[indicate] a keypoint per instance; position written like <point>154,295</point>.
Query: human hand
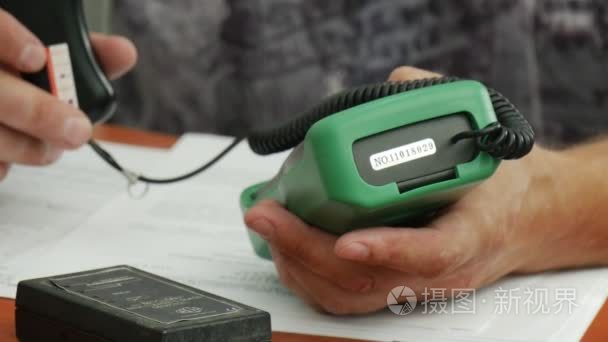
<point>35,127</point>
<point>496,229</point>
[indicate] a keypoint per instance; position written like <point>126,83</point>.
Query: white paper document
<point>39,206</point>
<point>193,233</point>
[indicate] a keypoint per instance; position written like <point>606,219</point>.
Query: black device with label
<point>62,27</point>
<point>124,304</point>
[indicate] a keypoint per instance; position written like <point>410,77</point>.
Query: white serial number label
<point>403,154</point>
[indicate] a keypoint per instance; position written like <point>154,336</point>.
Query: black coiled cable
<point>511,137</point>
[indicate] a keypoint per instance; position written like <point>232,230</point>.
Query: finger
<point>18,148</point>
<point>331,298</point>
<point>25,108</point>
<point>20,48</point>
<point>318,292</point>
<point>407,73</point>
<point>287,280</point>
<point>10,71</point>
<point>4,168</point>
<point>116,54</point>
<point>428,252</point>
<point>309,245</point>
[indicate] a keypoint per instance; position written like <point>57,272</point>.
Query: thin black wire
<point>490,129</point>
<point>105,155</point>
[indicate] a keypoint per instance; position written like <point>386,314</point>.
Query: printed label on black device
<point>143,295</point>
<point>403,154</point>
<point>61,74</point>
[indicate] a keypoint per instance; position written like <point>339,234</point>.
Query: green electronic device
<point>382,154</point>
<point>388,154</point>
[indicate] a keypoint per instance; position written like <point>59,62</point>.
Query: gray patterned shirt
<point>225,66</point>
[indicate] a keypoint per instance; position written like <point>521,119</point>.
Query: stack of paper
<point>39,206</point>
<point>193,233</point>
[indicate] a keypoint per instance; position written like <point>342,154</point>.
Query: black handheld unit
<point>122,303</point>
<point>72,72</point>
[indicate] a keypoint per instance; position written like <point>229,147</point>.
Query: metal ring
<point>138,195</point>
<point>132,181</point>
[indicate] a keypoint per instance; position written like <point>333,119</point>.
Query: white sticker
<point>61,74</point>
<point>403,154</point>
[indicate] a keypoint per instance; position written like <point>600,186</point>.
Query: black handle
<point>63,21</point>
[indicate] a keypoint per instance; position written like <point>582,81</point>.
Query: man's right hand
<point>35,127</point>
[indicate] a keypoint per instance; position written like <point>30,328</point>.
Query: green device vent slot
<point>411,184</point>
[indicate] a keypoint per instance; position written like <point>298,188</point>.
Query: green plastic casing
<point>322,186</point>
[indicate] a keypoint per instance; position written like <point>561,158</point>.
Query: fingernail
<point>32,57</point>
<point>52,154</point>
<point>263,227</point>
<point>77,131</point>
<point>355,251</point>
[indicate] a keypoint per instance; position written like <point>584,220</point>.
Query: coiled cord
<point>511,137</point>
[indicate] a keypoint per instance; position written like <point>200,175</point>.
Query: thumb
<point>117,55</point>
<point>407,73</point>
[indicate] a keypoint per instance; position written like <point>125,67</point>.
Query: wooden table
<point>598,331</point>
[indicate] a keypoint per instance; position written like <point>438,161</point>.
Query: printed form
<point>39,206</point>
<point>193,233</point>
